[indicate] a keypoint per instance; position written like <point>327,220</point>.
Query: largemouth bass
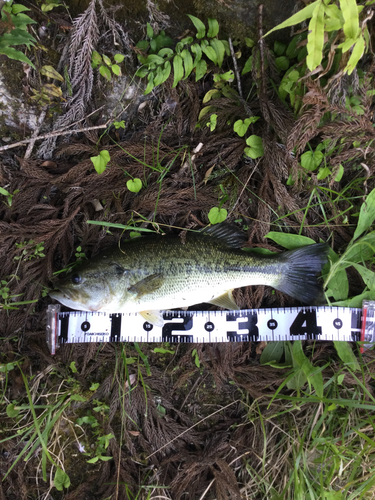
<point>155,273</point>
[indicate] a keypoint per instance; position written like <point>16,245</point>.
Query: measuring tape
<point>276,324</point>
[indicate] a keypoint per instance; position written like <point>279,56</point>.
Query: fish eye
<point>76,279</point>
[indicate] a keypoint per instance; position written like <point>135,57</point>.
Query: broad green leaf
<point>323,173</point>
<point>219,48</point>
<point>289,241</point>
<point>162,74</point>
<point>21,20</point>
<point>366,215</point>
<point>134,185</point>
<point>279,48</point>
<point>311,160</point>
<point>248,66</point>
<point>200,27</point>
<point>107,60</point>
<point>282,63</point>
<point>178,70</point>
<point>297,18</point>
<point>142,72</point>
<point>339,174</point>
<point>255,149</point>
<point>100,162</point>
<point>154,58</point>
<point>11,410</point>
<point>96,59</point>
<point>315,38</point>
<point>106,72</point>
<point>116,69</point>
<point>273,351</point>
<point>334,20</point>
<point>210,53</point>
<point>150,31</point>
<point>119,58</point>
<point>17,8</point>
<point>361,250</point>
<point>188,62</point>
<point>211,94</point>
<point>50,72</point>
<point>356,301</point>
<point>217,215</point>
<point>4,192</point>
<point>347,44</point>
<point>213,28</point>
<point>73,367</point>
<point>349,11</point>
<point>368,276</point>
<point>166,51</point>
<point>312,374</point>
<point>240,127</point>
<point>212,123</point>
<point>346,355</point>
<point>196,49</point>
<point>338,285</point>
<point>150,84</point>
<point>355,56</point>
<point>16,54</point>
<point>205,110</point>
<point>200,70</point>
<point>161,350</point>
<point>61,479</point>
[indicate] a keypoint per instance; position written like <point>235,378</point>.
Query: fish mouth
<point>59,294</point>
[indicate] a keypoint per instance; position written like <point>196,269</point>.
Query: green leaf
<point>107,60</point>
<point>200,69</point>
<point>339,174</point>
<point>355,56</point>
<point>119,58</point>
<point>210,53</point>
<point>150,31</point>
<point>78,397</point>
<point>93,460</point>
<point>200,27</point>
<point>219,48</point>
<point>213,28</point>
<point>346,355</point>
<point>116,69</point>
<point>279,48</point>
<point>106,72</point>
<point>134,185</point>
<point>217,215</point>
<point>315,38</point>
<point>196,49</point>
<point>11,410</point>
<point>154,59</point>
<point>16,55</point>
<point>289,241</point>
<point>188,62</point>
<point>349,11</point>
<point>248,66</point>
<point>334,20</point>
<point>368,276</point>
<point>241,126</point>
<point>255,149</point>
<point>73,367</point>
<point>50,72</point>
<point>161,350</point>
<point>4,192</point>
<point>96,59</point>
<point>366,215</point>
<point>297,18</point>
<point>338,285</point>
<point>273,351</point>
<point>212,123</point>
<point>17,8</point>
<point>323,173</point>
<point>178,70</point>
<point>150,84</point>
<point>311,160</point>
<point>211,94</point>
<point>100,162</point>
<point>282,63</point>
<point>61,479</point>
<point>162,74</point>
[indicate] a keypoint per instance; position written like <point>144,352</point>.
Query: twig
<point>53,134</point>
<point>56,133</point>
<point>237,73</point>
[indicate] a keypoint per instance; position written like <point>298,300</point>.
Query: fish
<point>153,273</point>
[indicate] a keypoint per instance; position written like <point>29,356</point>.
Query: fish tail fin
<point>300,280</point>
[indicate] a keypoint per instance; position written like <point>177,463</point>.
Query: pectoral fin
<point>153,317</point>
<point>147,285</point>
<point>226,300</point>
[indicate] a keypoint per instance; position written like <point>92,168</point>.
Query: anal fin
<point>225,300</point>
<point>153,317</point>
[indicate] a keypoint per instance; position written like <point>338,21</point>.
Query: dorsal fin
<point>228,234</point>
